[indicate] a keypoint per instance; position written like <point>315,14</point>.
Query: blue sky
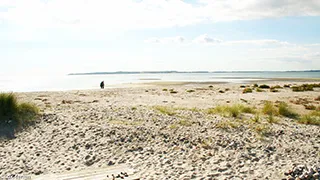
<point>63,36</point>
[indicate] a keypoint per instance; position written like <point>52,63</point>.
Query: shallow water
<point>78,82</point>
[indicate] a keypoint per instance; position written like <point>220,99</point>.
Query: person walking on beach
<point>102,85</point>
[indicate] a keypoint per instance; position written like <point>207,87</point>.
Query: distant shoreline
<point>182,72</point>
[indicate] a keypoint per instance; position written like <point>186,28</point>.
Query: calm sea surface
<point>77,82</point>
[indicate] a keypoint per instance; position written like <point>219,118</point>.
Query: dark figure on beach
<point>102,85</point>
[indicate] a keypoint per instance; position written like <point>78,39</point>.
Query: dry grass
<point>165,110</point>
<point>269,109</point>
<point>312,118</point>
<point>286,111</point>
<point>231,111</point>
<point>227,124</point>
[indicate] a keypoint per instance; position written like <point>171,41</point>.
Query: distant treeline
<point>167,72</point>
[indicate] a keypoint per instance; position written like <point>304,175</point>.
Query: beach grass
<point>312,118</point>
<point>14,114</point>
<point>286,111</point>
<point>165,110</point>
<point>231,111</point>
<point>269,109</point>
<point>247,90</point>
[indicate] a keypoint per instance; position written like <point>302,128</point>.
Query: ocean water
<point>80,82</point>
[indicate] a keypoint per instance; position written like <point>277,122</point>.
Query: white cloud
<point>205,39</point>
<point>177,39</point>
<point>260,42</point>
<point>129,14</point>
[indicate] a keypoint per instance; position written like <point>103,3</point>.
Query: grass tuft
<point>269,109</point>
<point>247,90</point>
<point>286,111</point>
<point>231,111</point>
<point>259,90</point>
<point>14,115</point>
<point>165,110</point>
<point>190,90</point>
<point>312,118</point>
<point>184,122</point>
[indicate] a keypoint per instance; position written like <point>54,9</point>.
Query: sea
<point>92,81</point>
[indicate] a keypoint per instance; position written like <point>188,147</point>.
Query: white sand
<point>99,128</point>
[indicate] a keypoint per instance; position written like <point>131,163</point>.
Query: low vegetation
<point>259,90</point>
<point>16,115</point>
<point>227,124</point>
<point>247,90</point>
<point>172,91</point>
<point>286,111</point>
<point>274,90</point>
<point>312,118</point>
<point>276,87</point>
<point>165,110</point>
<point>264,86</point>
<point>310,106</point>
<point>305,87</point>
<point>231,111</point>
<point>190,90</point>
<point>269,109</point>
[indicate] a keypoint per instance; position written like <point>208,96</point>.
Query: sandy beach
<point>165,131</point>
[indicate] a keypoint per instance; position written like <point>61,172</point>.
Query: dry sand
<point>100,128</point>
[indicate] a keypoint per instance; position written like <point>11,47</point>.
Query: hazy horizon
<point>60,37</point>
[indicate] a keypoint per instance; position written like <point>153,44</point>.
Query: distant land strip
<point>167,72</point>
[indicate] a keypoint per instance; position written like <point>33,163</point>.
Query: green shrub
<point>284,110</point>
<point>221,91</point>
<point>287,86</point>
<point>264,86</point>
<point>164,89</point>
<point>15,115</point>
<point>210,86</point>
<point>255,85</point>
<point>247,90</point>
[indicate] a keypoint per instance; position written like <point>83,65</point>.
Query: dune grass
<point>231,111</point>
<point>14,114</point>
<point>165,110</point>
<point>269,109</point>
<point>312,118</point>
<point>190,90</point>
<point>286,111</point>
<point>247,90</point>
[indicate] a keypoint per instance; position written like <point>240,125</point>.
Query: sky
<point>69,36</point>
